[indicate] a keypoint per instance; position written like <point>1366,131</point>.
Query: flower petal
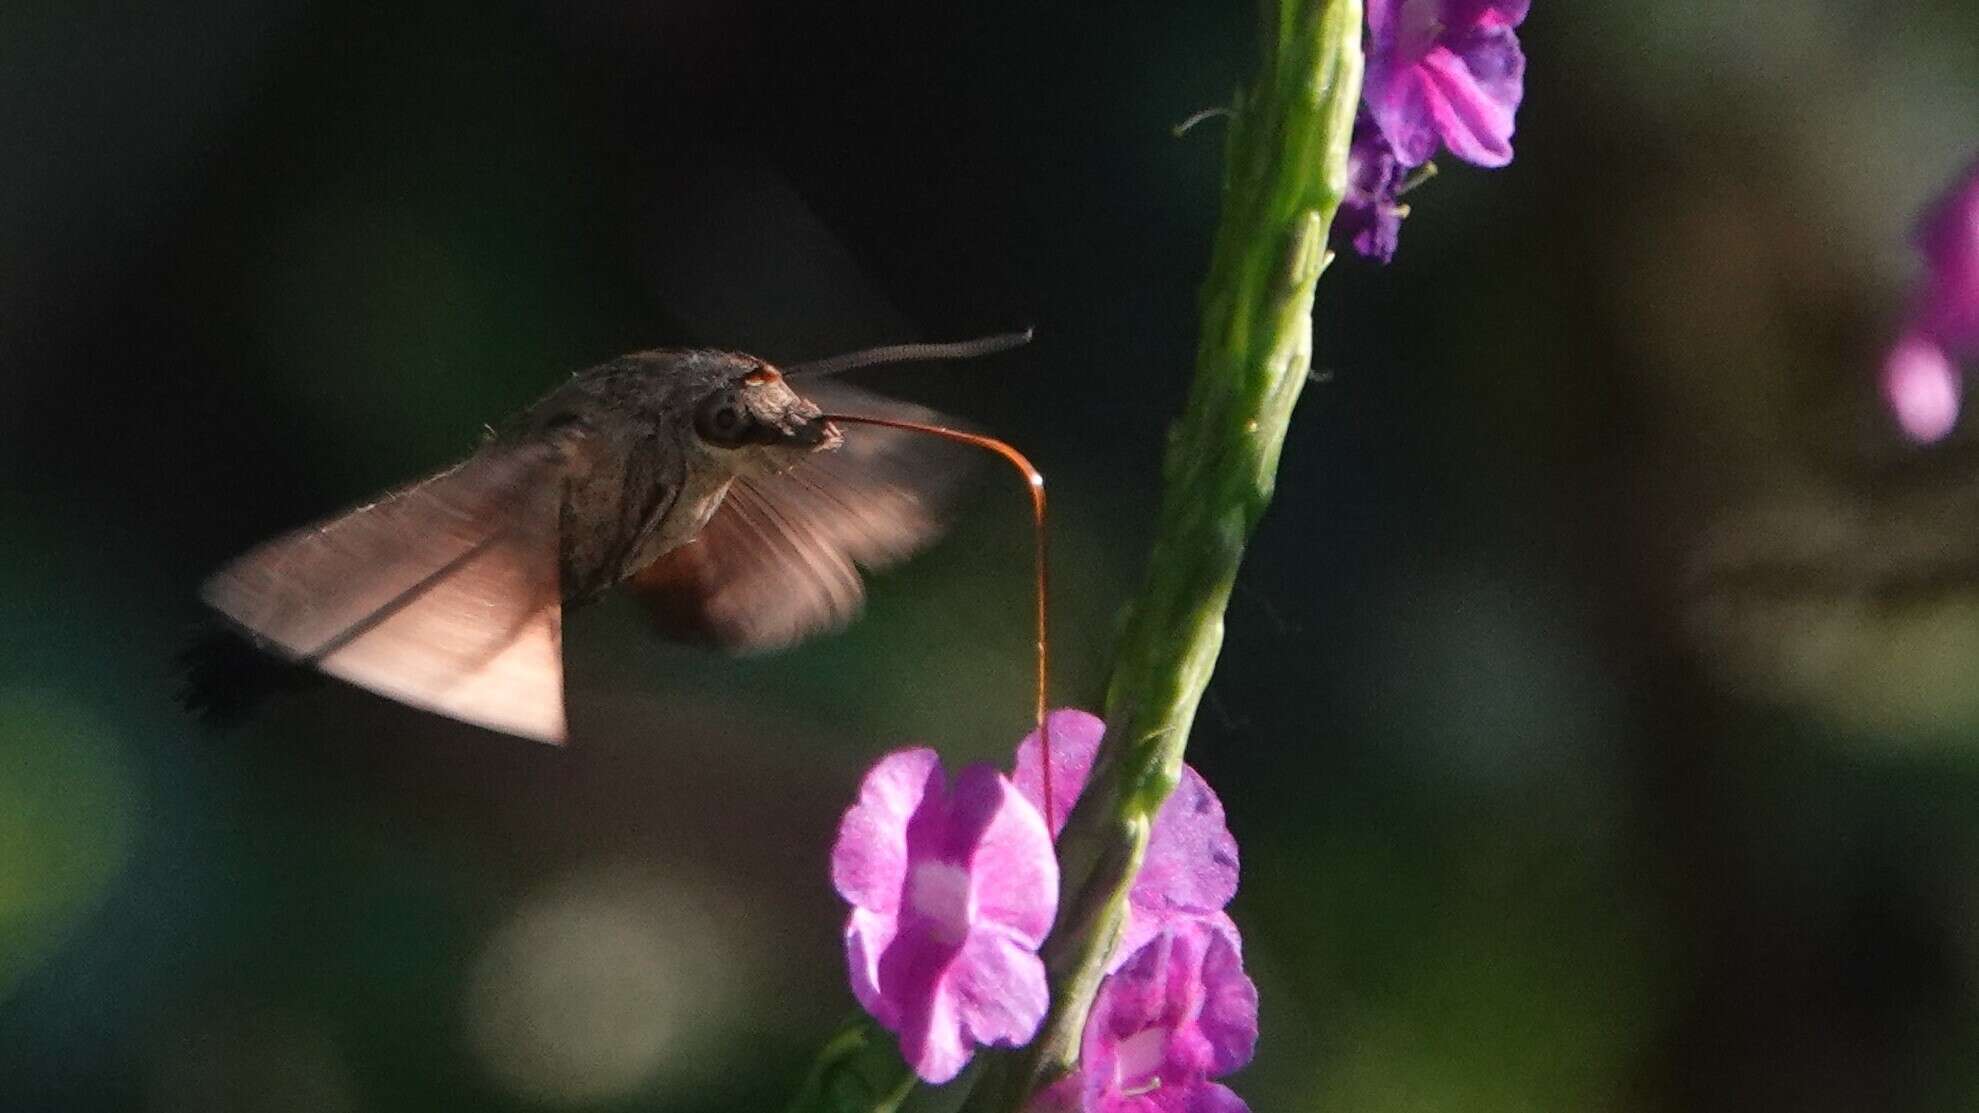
<point>1949,237</point>
<point>1191,863</point>
<point>1194,1095</point>
<point>1465,14</point>
<point>1228,1020</point>
<point>1075,736</point>
<point>999,989</point>
<point>1395,98</point>
<point>1187,988</point>
<point>867,936</point>
<point>1381,19</point>
<point>932,1042</point>
<point>916,1002</point>
<point>1135,996</point>
<point>1452,77</point>
<point>1212,1097</point>
<point>1472,85</point>
<point>1013,871</point>
<point>1370,217</point>
<point>869,859</point>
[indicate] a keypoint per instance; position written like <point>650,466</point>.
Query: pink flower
<point>1191,865</point>
<point>1949,238</point>
<point>1445,73</point>
<point>952,891</point>
<point>1176,1009</point>
<point>1921,379</point>
<point>1370,215</point>
<point>1177,1013</point>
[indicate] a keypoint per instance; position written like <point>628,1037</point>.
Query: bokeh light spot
<point>601,984</point>
<point>67,798</point>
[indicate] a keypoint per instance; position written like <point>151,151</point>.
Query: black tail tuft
<point>226,678</point>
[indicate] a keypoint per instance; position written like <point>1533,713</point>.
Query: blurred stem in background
<point>1284,176</point>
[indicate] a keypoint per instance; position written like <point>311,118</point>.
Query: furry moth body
<point>701,480</point>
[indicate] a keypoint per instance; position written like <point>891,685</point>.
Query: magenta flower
<point>1370,216</point>
<point>1921,379</point>
<point>1445,73</point>
<point>952,891</point>
<point>1177,1013</point>
<point>1190,870</point>
<point>1949,239</point>
<point>1440,73</point>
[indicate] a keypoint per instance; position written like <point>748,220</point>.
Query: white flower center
<point>939,893</point>
<point>1138,1058</point>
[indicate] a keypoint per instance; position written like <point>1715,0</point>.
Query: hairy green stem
<point>1285,173</point>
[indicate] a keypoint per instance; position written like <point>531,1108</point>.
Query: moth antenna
<point>907,353</point>
<point>1034,479</point>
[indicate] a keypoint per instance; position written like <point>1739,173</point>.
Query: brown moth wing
<point>779,561</point>
<point>444,594</point>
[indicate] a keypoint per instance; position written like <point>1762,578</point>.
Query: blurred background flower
<point>1599,708</point>
<point>1921,376</point>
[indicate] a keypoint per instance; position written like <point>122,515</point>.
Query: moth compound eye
<point>722,421</point>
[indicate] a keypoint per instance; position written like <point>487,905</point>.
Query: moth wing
<point>780,559</point>
<point>444,595</point>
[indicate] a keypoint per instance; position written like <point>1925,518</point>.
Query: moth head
<point>765,425</point>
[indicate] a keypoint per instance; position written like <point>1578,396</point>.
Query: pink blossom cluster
<point>953,888</point>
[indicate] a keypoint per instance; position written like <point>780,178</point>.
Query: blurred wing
<point>780,559</point>
<point>443,595</point>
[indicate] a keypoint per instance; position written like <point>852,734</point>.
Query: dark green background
<point>1597,717</point>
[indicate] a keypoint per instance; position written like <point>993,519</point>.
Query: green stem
<point>1285,173</point>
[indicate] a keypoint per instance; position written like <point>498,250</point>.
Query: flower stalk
<point>1285,174</point>
<point>1286,171</point>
